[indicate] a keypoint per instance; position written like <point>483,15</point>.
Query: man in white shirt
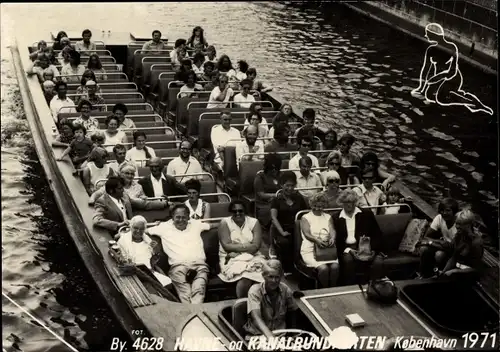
<point>182,243</point>
<point>220,135</point>
<point>185,163</point>
<point>85,46</point>
<point>61,100</point>
<point>369,195</point>
<point>244,99</point>
<point>219,97</point>
<point>180,44</point>
<point>249,145</point>
<point>308,179</point>
<point>305,145</point>
<point>120,153</point>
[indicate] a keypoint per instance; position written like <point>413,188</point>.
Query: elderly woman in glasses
<point>351,225</point>
<point>318,233</point>
<point>240,239</point>
<point>331,179</point>
<point>334,163</point>
<point>138,249</point>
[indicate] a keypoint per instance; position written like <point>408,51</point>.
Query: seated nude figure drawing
<point>441,81</point>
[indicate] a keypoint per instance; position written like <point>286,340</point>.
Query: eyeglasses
<point>238,211</point>
<point>333,180</point>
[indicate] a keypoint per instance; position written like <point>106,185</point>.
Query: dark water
<point>313,57</point>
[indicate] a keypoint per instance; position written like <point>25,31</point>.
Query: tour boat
<point>432,310</point>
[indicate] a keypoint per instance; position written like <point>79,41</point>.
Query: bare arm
<point>89,187</point>
<point>275,222</point>
<point>306,231</point>
<point>260,324</point>
<point>423,72</point>
<point>207,211</point>
<point>63,155</point>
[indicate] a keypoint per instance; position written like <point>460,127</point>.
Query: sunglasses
<point>333,180</point>
<point>238,211</point>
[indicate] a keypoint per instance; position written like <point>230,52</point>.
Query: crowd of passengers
<point>255,252</point>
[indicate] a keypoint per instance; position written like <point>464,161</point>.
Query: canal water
<point>313,57</point>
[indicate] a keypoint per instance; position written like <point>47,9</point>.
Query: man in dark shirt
<point>283,210</point>
<point>280,142</point>
<point>309,116</point>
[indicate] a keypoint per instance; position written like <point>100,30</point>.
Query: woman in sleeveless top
<point>112,134</point>
<point>240,241</point>
<point>317,230</point>
<point>96,169</point>
<point>198,208</point>
<point>139,151</point>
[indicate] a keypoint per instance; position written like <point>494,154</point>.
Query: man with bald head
<point>249,145</point>
<point>185,163</point>
<point>269,302</point>
<point>158,184</point>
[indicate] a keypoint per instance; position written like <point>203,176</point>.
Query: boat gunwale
<point>54,170</point>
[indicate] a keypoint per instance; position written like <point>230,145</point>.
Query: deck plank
<point>389,321</point>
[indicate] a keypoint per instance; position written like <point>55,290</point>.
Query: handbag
<point>322,254</point>
<point>382,291</point>
<point>364,252</point>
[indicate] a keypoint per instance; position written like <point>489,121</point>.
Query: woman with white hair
<point>466,250</point>
<point>331,179</point>
<point>318,241</point>
<point>351,225</point>
<point>138,249</point>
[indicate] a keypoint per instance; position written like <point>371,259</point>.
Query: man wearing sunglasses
<point>244,99</point>
<point>305,146</point>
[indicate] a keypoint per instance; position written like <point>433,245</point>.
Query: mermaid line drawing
<point>441,81</point>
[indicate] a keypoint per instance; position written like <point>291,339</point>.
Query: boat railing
<point>166,74</point>
<point>69,107</point>
<point>113,74</point>
<point>159,59</point>
<point>170,158</point>
<point>100,52</point>
<point>140,51</point>
<point>86,58</point>
<point>231,103</point>
<point>104,65</point>
<point>127,227</point>
<point>319,188</point>
<point>151,143</point>
<point>166,128</point>
<point>134,95</point>
<point>104,84</point>
<point>215,115</point>
<point>208,92</point>
<point>219,194</point>
<point>171,84</point>
<point>302,212</point>
<point>73,42</point>
<point>101,117</point>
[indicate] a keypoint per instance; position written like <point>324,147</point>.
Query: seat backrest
<point>131,101</point>
<point>208,187</point>
<point>211,246</point>
<point>219,210</point>
<point>248,171</point>
<point>166,153</point>
<point>182,112</point>
<point>297,241</point>
<point>154,215</point>
<point>146,67</point>
<point>393,228</point>
<point>163,82</point>
<point>239,314</point>
<point>138,61</point>
<point>230,168</point>
<point>172,97</point>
